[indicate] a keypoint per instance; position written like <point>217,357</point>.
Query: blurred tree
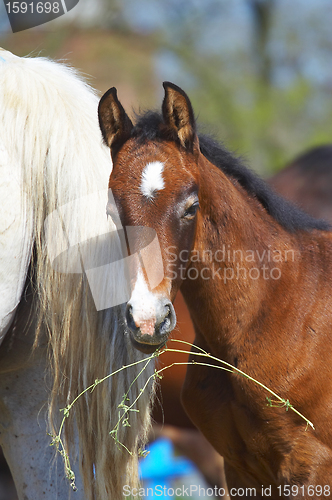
<point>263,13</point>
<point>256,70</point>
<point>112,15</point>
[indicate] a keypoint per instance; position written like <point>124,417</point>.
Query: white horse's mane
<point>55,112</point>
<point>49,127</point>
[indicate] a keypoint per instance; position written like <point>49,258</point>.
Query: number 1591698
<point>32,8</point>
<point>305,491</point>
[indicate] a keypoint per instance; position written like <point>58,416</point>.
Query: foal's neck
<point>239,261</point>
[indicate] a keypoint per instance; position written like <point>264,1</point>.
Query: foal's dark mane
<point>150,127</point>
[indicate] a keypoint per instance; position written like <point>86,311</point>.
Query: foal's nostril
<point>130,319</point>
<point>166,323</point>
<point>169,321</point>
<point>157,328</point>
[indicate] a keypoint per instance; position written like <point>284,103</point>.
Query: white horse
<point>54,342</point>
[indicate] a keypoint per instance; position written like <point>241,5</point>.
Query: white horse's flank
<point>50,154</point>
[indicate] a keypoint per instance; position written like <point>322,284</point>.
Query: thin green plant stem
<point>233,369</point>
<point>230,368</point>
<point>57,441</point>
<point>126,408</point>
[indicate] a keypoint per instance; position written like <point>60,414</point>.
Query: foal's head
<point>155,183</point>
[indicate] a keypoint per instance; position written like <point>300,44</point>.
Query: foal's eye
<point>191,211</point>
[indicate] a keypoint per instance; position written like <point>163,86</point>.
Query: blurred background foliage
<point>258,72</point>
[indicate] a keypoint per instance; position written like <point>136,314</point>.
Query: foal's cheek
<point>178,256</point>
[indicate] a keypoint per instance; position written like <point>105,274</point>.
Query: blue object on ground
<point>162,464</point>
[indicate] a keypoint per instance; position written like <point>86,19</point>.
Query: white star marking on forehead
<point>152,179</point>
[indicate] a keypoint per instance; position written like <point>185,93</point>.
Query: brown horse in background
<point>307,181</point>
<point>266,309</point>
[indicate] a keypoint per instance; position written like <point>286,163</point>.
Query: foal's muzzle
<point>149,335</point>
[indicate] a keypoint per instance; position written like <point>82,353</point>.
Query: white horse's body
<point>15,240</point>
<point>51,153</point>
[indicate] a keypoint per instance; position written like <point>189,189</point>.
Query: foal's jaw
<point>150,317</point>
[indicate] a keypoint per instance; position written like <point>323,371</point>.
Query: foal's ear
<point>179,116</point>
<point>115,124</point>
